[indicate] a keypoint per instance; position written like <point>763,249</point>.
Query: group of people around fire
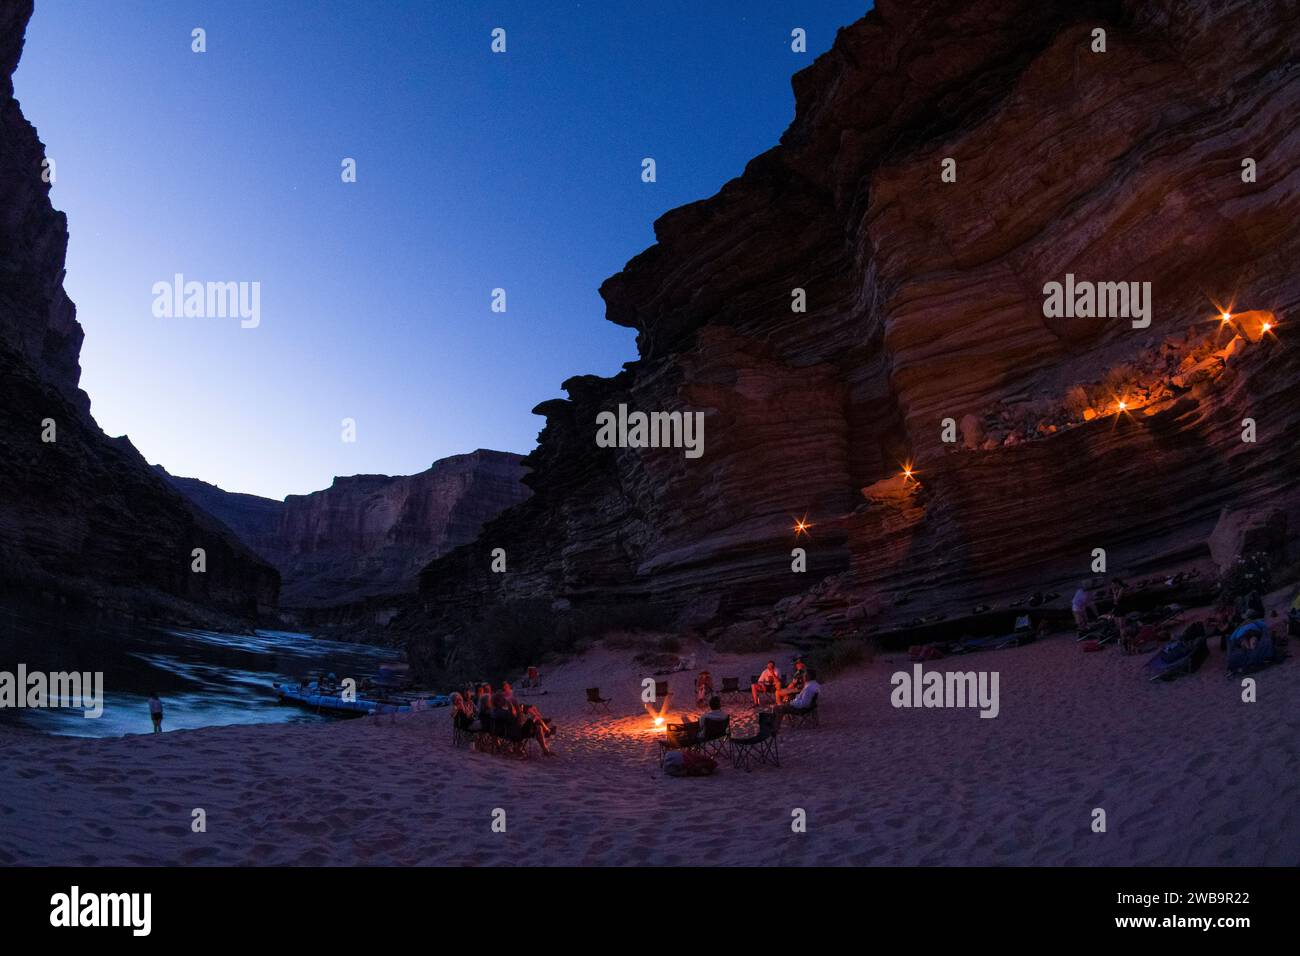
<point>501,708</point>
<point>796,694</point>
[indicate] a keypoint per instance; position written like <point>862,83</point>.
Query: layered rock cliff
<point>83,518</point>
<point>925,310</point>
<point>367,534</point>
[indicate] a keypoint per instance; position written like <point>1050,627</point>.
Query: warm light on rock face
<point>1255,324</point>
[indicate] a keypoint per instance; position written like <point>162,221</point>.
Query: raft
<point>311,699</point>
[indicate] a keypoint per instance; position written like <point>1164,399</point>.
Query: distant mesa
<point>366,535</point>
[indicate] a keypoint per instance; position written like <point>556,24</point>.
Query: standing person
<point>1082,607</point>
<point>155,712</point>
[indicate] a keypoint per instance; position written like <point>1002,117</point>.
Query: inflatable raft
<point>311,698</point>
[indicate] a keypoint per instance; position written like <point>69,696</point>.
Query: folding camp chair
<point>661,689</point>
<point>510,737</point>
<point>730,685</point>
<point>767,687</point>
<point>462,733</point>
<point>760,749</point>
<point>801,717</point>
<point>595,701</point>
<point>684,736</point>
<point>715,736</point>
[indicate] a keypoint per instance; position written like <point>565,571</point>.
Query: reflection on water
<point>204,679</point>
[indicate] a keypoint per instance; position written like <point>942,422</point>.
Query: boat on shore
<point>330,700</point>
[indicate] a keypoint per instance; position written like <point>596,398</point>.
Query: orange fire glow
<point>801,525</point>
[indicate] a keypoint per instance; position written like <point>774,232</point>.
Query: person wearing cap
<point>797,681</point>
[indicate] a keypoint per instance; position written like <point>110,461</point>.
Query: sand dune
<point>1187,774</point>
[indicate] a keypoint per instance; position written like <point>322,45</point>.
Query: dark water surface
<point>204,678</point>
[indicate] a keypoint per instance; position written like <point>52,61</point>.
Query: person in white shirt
<point>769,681</point>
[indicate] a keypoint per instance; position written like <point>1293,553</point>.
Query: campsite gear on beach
<point>759,749</point>
<point>1179,657</point>
<point>661,689</point>
<point>1251,647</point>
<point>1100,632</point>
<point>595,701</point>
<point>688,763</point>
<point>1136,642</point>
<point>730,685</point>
<point>683,736</point>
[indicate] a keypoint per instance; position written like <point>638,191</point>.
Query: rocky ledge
<point>925,308</point>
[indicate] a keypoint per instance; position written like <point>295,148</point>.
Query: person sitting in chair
<point>806,697</point>
<point>797,682</point>
<point>703,688</point>
<point>715,711</point>
<point>768,682</point>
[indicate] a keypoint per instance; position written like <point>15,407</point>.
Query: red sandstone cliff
<point>367,535</point>
<point>83,519</point>
<point>925,302</point>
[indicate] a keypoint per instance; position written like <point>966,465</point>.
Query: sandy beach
<point>1187,773</point>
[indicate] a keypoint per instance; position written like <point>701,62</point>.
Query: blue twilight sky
<point>475,171</point>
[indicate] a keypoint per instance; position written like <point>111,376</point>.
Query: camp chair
<point>761,748</point>
<point>485,741</point>
<point>462,733</point>
<point>730,685</point>
<point>510,737</point>
<point>595,701</point>
<point>661,689</point>
<point>683,736</point>
<point>715,737</point>
<point>806,716</point>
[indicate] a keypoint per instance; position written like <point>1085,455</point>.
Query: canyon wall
<point>367,535</point>
<point>83,518</point>
<point>925,310</point>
